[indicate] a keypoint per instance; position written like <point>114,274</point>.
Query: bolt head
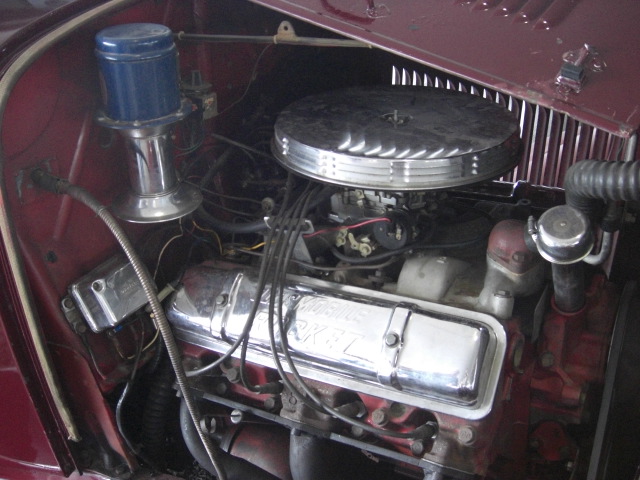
<point>380,417</point>
<point>392,339</point>
<point>233,375</point>
<point>467,435</point>
<point>272,403</point>
<point>222,299</point>
<point>236,417</point>
<point>417,448</point>
<point>547,360</point>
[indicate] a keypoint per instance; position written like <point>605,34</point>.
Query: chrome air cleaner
<point>397,138</point>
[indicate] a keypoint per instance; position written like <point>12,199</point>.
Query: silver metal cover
<point>108,294</point>
<point>445,359</point>
<point>397,138</point>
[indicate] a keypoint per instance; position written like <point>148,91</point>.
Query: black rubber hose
<point>221,226</point>
<point>568,286</point>
<point>156,411</point>
<point>309,458</point>
<point>235,468</point>
<point>590,181</point>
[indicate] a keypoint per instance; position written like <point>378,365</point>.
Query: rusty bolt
<point>379,417</point>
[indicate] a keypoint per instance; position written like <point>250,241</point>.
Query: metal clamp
<point>391,345</point>
<point>572,72</point>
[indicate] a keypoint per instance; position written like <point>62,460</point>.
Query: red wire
<point>348,227</point>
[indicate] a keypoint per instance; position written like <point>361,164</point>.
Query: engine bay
<point>355,282</point>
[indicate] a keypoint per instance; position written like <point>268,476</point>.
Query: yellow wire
<point>214,233</point>
<point>255,247</point>
<point>152,341</point>
<point>148,345</point>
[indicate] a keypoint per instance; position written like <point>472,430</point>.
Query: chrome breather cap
<point>397,138</point>
<point>563,235</point>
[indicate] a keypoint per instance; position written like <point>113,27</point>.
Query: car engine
<point>357,280</point>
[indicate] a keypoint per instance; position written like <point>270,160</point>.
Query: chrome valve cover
<point>424,354</point>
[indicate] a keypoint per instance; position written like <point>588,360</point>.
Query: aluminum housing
<point>397,138</point>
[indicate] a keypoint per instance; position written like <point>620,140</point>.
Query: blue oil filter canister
<point>139,73</point>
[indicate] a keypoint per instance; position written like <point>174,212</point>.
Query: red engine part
<point>572,353</point>
<point>537,399</point>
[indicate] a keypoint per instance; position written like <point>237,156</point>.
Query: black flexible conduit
<point>53,184</point>
<point>588,181</point>
<point>156,411</point>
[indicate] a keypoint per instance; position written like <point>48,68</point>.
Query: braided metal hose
<point>56,185</point>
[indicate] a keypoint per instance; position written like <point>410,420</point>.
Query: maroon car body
<point>59,386</point>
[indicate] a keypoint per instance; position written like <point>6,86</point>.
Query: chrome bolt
<point>222,299</point>
<point>391,340</point>
<point>236,417</point>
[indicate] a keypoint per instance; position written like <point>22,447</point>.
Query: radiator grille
<point>552,141</point>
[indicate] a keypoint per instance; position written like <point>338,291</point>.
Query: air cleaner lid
<point>397,138</point>
<point>136,40</point>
